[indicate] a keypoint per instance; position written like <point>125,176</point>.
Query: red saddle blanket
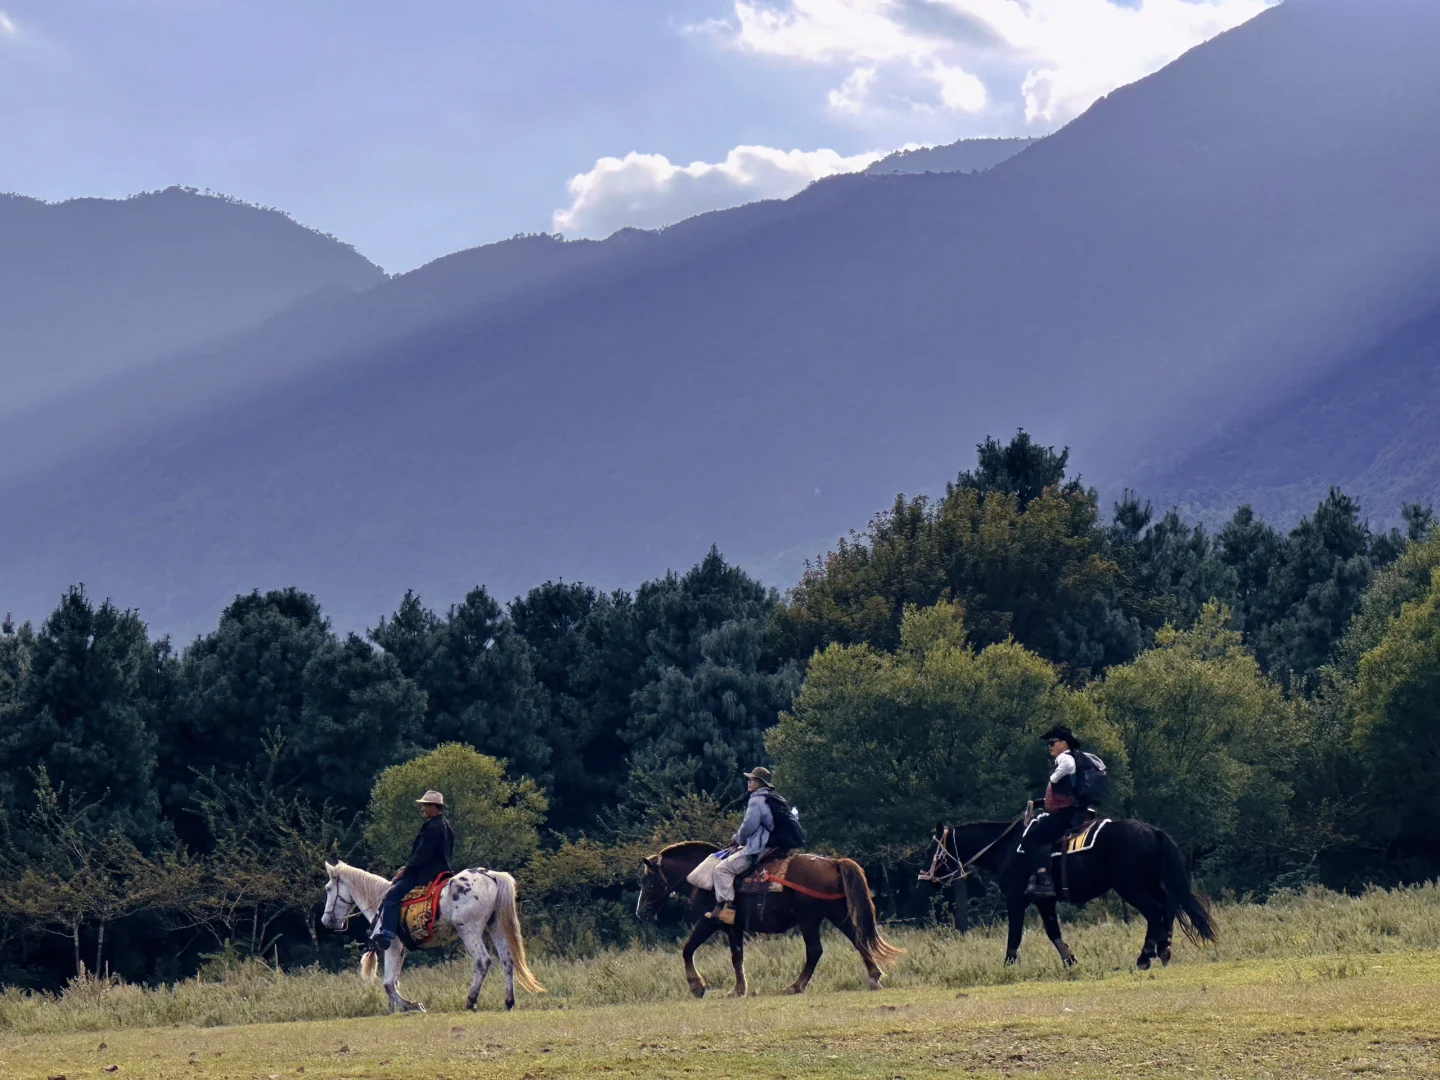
<point>769,876</point>
<point>420,910</point>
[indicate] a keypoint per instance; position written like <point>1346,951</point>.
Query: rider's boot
<point>1041,887</point>
<point>725,913</point>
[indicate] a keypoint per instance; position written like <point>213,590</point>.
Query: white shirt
<point>1064,766</point>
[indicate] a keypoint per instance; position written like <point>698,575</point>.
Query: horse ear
<point>330,868</point>
<point>651,861</point>
<point>939,830</point>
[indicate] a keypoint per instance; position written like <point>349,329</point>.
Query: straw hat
<point>432,797</point>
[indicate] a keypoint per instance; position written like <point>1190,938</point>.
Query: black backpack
<point>787,832</point>
<point>1091,780</point>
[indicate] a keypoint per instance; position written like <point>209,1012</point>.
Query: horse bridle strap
<point>964,870</point>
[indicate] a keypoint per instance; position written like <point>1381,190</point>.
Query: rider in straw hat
<point>747,843</point>
<point>429,858</point>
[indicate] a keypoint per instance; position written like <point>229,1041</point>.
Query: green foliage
<point>880,746</point>
<point>238,685</point>
<point>475,672</point>
<point>85,694</point>
<point>1397,715</point>
<point>1209,739</point>
<point>1026,562</point>
<point>496,820</point>
<point>1296,594</point>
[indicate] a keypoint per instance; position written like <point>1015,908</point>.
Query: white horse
<point>472,903</point>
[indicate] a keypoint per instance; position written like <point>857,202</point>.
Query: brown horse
<point>815,888</point>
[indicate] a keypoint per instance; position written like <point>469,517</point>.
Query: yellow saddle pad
<point>1084,840</point>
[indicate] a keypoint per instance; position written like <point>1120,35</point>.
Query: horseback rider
<point>1066,804</point>
<point>747,844</point>
<point>429,858</point>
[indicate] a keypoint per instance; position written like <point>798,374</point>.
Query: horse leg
<point>474,942</point>
<point>1153,908</point>
<point>507,962</point>
<point>846,927</point>
<point>810,931</point>
<point>737,959</point>
<point>698,936</point>
<point>394,961</point>
<point>1016,909</point>
<point>1052,931</point>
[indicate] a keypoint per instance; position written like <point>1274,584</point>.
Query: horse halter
<point>328,918</point>
<point>942,859</point>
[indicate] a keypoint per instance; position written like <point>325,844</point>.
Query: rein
<point>962,869</point>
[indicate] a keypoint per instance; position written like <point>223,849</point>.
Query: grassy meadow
<point>1317,985</point>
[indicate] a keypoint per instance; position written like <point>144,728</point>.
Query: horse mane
<point>364,885</point>
<point>690,847</point>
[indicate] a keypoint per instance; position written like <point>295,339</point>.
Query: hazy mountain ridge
<point>762,376</point>
<point>966,156</point>
<point>147,276</point>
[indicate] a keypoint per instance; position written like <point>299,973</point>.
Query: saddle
<point>419,912</point>
<point>768,873</point>
<point>1082,839</point>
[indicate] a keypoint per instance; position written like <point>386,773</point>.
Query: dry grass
<point>1314,986</point>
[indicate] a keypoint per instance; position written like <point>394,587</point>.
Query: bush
<point>496,820</point>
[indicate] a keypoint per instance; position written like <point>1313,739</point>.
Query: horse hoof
<point>509,1004</point>
<point>1069,961</point>
<point>735,994</point>
<point>874,984</point>
<point>1164,957</point>
<point>698,990</point>
<point>794,990</point>
<point>470,1004</point>
<point>1143,963</point>
<point>1011,959</point>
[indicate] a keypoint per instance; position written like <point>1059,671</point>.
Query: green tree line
<point>1267,696</point>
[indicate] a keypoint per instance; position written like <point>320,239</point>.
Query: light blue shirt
<point>759,823</point>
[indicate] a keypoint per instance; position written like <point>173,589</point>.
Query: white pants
<point>726,873</point>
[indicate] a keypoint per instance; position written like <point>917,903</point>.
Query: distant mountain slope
<point>1198,245</point>
<point>91,287</point>
<point>1372,427</point>
<point>967,155</point>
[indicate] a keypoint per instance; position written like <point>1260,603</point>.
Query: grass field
<point>1318,986</point>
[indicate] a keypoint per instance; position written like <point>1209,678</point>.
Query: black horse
<point>1138,861</point>
<point>815,888</point>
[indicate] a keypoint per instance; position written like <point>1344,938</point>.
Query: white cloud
<point>647,191</point>
<point>1054,57</point>
<point>7,26</point>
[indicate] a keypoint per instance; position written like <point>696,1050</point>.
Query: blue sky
<point>417,129</point>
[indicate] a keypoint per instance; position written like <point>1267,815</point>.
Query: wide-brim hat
<point>762,774</point>
<point>1060,731</point>
<point>433,798</point>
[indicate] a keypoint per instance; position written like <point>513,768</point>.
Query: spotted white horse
<point>472,904</point>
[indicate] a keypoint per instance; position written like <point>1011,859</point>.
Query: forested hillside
<point>1196,247</point>
<point>1263,695</point>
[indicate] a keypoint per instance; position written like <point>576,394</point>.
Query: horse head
<point>654,888</point>
<point>945,864</point>
<point>339,900</point>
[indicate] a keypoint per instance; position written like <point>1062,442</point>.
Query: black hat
<point>1060,731</point>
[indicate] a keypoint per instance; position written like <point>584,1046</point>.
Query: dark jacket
<point>430,854</point>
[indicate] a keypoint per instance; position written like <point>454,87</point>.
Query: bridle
<point>328,919</point>
<point>658,869</point>
<point>962,870</point>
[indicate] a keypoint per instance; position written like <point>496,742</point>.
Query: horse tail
<point>862,915</point>
<point>507,921</point>
<point>1192,912</point>
<point>369,965</point>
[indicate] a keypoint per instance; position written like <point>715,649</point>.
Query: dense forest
<point>1270,698</point>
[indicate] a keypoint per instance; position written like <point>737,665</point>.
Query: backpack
<point>787,832</point>
<point>1091,780</point>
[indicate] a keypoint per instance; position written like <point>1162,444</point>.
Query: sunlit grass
<point>1324,936</point>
